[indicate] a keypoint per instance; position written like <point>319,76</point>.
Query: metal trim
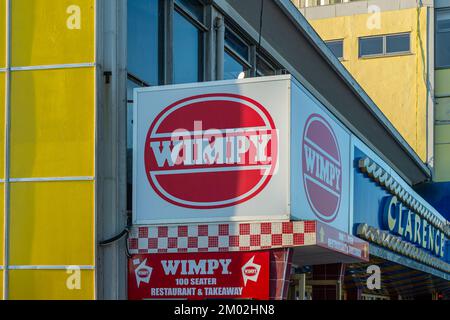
<point>52,179</point>
<point>55,66</point>
<point>51,267</point>
<point>6,151</point>
<point>388,255</point>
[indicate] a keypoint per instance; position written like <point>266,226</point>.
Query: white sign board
<point>211,152</point>
<point>320,163</point>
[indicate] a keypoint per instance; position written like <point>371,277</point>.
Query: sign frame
<point>286,80</point>
<point>240,274</point>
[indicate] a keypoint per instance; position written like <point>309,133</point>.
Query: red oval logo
<point>250,271</point>
<point>143,273</point>
<point>322,168</point>
<point>211,151</point>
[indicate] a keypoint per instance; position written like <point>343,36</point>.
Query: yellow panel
<point>52,32</point>
<point>442,133</point>
<point>52,223</point>
<point>442,109</point>
<point>50,285</point>
<point>2,33</point>
<point>2,212</point>
<point>52,123</point>
<point>442,162</point>
<point>442,79</point>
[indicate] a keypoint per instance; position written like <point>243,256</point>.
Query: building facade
<point>413,91</point>
<point>68,69</point>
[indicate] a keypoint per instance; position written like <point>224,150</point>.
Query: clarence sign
<point>399,219</point>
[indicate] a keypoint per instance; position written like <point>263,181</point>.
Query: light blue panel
<point>317,135</point>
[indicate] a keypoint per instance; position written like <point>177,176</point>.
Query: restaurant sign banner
<point>195,276</point>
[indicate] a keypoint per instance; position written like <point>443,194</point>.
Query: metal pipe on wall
<point>220,47</point>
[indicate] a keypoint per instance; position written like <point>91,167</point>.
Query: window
<point>236,56</point>
<point>235,43</point>
<point>443,38</point>
<point>370,46</point>
<point>153,61</point>
<point>194,7</point>
<point>398,43</point>
<point>385,45</point>
<point>187,50</point>
<point>143,40</point>
<point>232,67</point>
<point>243,57</point>
<point>337,47</point>
<point>188,41</point>
<point>263,67</point>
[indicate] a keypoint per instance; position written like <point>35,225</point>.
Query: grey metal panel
<point>442,3</point>
<point>298,43</point>
<point>111,271</point>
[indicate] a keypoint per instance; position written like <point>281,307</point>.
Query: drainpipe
<point>220,47</point>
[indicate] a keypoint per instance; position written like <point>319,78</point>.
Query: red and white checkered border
<point>221,237</point>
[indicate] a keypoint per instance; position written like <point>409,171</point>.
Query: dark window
<point>187,50</point>
<point>385,45</point>
<point>263,67</point>
<point>143,40</point>
<point>370,46</point>
<point>236,44</point>
<point>244,58</point>
<point>398,43</point>
<point>337,47</point>
<point>443,39</point>
<point>232,67</point>
<point>194,7</point>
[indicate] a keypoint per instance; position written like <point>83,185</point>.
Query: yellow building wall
<point>396,84</point>
<point>51,154</point>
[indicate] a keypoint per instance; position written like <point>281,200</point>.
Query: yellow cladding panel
<point>442,109</point>
<point>2,33</point>
<point>2,124</point>
<point>394,83</point>
<point>442,79</point>
<point>48,32</point>
<point>52,223</point>
<point>51,285</point>
<point>2,216</point>
<point>441,163</point>
<point>52,123</point>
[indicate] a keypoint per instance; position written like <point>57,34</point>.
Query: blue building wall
<point>438,195</point>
